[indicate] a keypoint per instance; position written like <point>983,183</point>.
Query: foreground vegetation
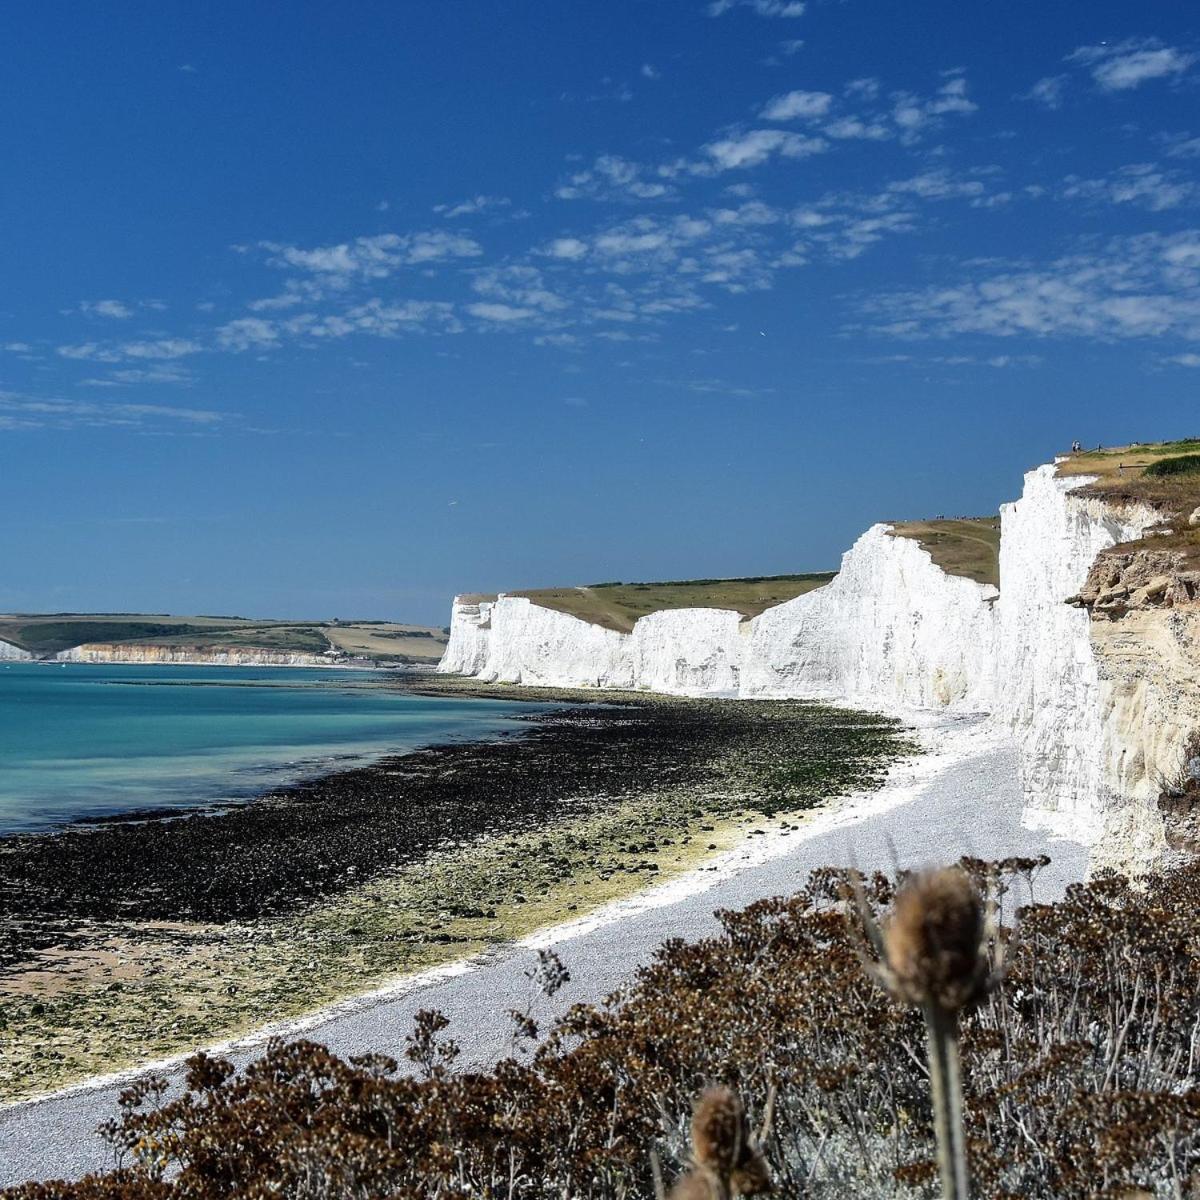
<point>1080,1075</point>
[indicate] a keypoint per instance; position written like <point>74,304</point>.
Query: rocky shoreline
<point>132,940</point>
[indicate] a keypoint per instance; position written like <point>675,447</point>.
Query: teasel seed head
<point>935,953</point>
<point>726,1155</point>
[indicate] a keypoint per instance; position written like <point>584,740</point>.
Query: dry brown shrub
<point>1080,1075</point>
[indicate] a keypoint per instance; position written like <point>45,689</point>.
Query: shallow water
<point>79,741</point>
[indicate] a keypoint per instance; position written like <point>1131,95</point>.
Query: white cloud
<point>792,46</point>
<point>567,248</point>
<point>522,286</point>
<point>612,177</point>
<point>247,333</point>
<point>1048,91</point>
<point>26,412</point>
<point>799,104</point>
<point>1147,285</point>
<point>467,208</point>
<point>373,257</point>
<point>1141,184</point>
<point>649,71</point>
<point>113,309</point>
<point>1184,360</point>
<point>91,351</point>
<point>764,8</point>
<point>865,88</point>
<point>377,318</point>
<point>166,373</point>
<point>502,313</point>
<point>158,348</point>
<point>936,185</point>
<point>1129,64</point>
<point>842,128</point>
<point>756,146</point>
<point>913,115</point>
<point>1181,145</point>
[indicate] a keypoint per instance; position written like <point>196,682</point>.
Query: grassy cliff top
<point>618,605</point>
<point>1164,475</point>
<point>48,633</point>
<point>966,546</point>
<point>1122,466</point>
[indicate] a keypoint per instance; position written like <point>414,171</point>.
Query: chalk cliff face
<point>13,653</point>
<point>890,629</point>
<point>1050,695</point>
<point>139,652</point>
<point>1092,663</point>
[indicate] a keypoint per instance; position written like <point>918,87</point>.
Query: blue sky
<point>333,310</point>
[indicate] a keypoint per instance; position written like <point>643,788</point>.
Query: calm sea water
<point>82,741</point>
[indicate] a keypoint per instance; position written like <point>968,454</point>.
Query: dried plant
<point>727,1158</point>
<point>934,955</point>
<point>1080,1074</point>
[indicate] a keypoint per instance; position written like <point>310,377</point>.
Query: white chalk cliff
<point>894,631</point>
<point>215,656</point>
<point>13,653</point>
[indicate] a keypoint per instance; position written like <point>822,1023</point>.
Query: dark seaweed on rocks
<point>322,838</point>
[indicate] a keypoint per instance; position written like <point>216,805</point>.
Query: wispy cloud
<point>113,309</point>
<point>754,147</point>
<point>154,348</point>
<point>374,257</point>
<point>166,373</point>
<point>469,208</point>
<point>1128,64</point>
<point>1142,184</point>
<point>247,333</point>
<point>793,105</point>
<point>612,177</point>
<point>26,412</point>
<point>914,115</point>
<point>379,318</point>
<point>1181,145</point>
<point>764,8</point>
<point>1147,285</point>
<point>1048,91</point>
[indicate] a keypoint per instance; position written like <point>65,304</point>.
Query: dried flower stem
<point>941,1026</point>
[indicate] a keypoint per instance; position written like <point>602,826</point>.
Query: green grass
<point>1183,464</point>
<point>966,546</point>
<point>619,605</point>
<point>1142,474</point>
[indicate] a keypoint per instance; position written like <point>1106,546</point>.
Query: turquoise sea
<point>81,741</point>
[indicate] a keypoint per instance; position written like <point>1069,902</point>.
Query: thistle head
<point>726,1155</point>
<point>935,942</point>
